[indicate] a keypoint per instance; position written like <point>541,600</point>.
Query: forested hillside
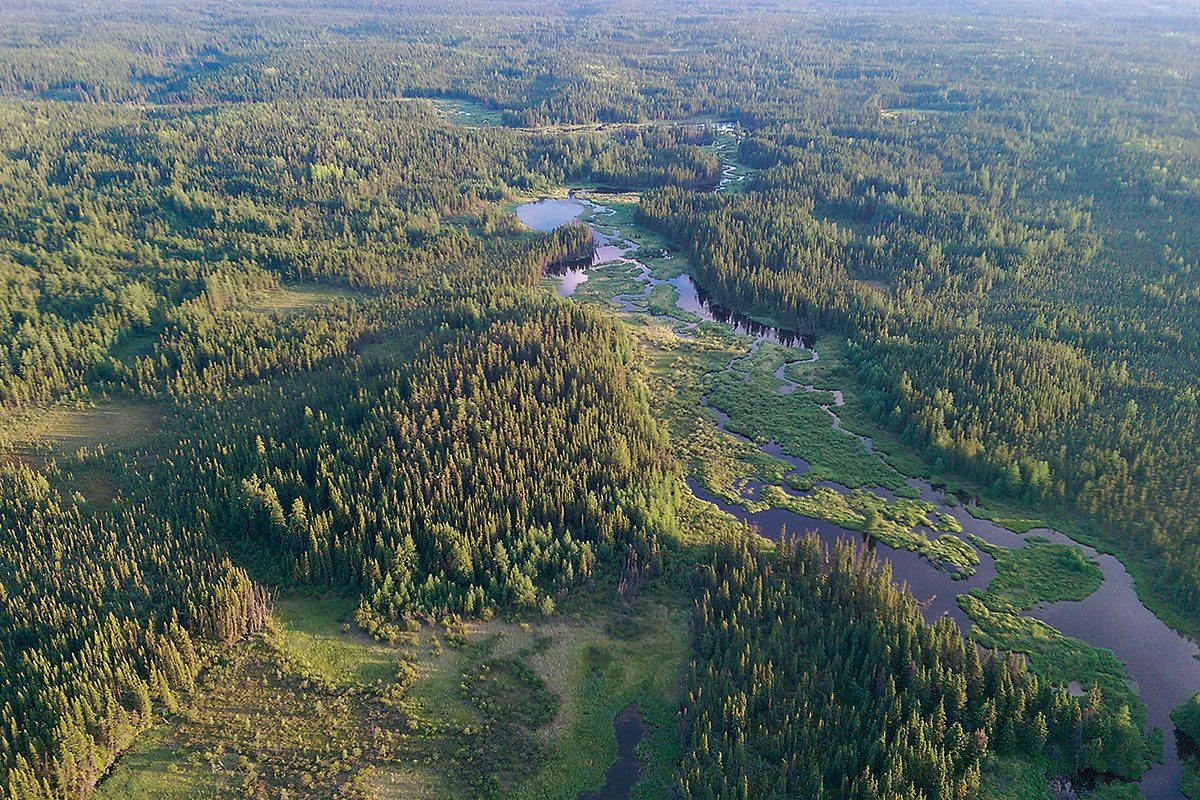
<point>274,342</point>
<point>136,278</point>
<point>814,676</point>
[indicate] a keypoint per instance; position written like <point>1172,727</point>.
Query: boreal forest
<point>600,400</point>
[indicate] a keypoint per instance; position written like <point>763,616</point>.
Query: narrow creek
<point>626,771</point>
<point>1163,666</point>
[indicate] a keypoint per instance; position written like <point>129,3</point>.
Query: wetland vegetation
<point>546,401</point>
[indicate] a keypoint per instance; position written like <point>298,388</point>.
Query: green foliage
<point>758,411</point>
<point>506,458</point>
<point>1187,721</point>
<point>1014,779</point>
<point>1191,780</point>
<point>1112,718</point>
<point>1044,572</point>
<point>889,705</point>
<point>1039,572</point>
<point>311,632</point>
<point>287,332</point>
<point>127,602</point>
<point>895,523</point>
<point>1187,718</point>
<point>602,674</point>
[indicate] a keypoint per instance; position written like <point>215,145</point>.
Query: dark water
<point>935,589</point>
<point>624,774</point>
<point>570,276</point>
<point>1162,665</point>
<point>694,300</point>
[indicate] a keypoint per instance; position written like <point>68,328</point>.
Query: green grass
<point>599,670</point>
<point>662,303</point>
<point>1043,572</point>
<point>1014,779</point>
<point>797,422</point>
<point>60,431</point>
<point>321,637</point>
<point>895,523</point>
<point>87,440</point>
<point>674,368</point>
<point>1191,780</point>
<point>620,212</point>
<point>1187,717</point>
<point>1056,658</point>
<point>592,668</point>
<point>132,347</point>
<point>727,147</point>
<point>157,766</point>
<point>1015,514</point>
<point>1019,516</point>
<point>258,724</point>
<point>468,112</point>
<point>680,371</point>
<point>607,281</point>
<point>1038,572</point>
<point>295,298</point>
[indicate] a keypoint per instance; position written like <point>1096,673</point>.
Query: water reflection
<point>546,215</point>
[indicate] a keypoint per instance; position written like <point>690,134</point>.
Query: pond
<point>547,215</point>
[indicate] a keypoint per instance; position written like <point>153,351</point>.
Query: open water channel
<point>1163,666</point>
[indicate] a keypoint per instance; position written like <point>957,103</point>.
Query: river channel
<point>1162,665</point>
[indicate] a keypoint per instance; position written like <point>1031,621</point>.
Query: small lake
<point>547,215</point>
<point>1163,665</point>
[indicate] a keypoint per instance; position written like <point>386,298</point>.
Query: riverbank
<point>755,471</point>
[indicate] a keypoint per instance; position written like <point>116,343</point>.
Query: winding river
<point>1162,665</point>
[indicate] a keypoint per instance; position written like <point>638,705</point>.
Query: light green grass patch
<point>320,636</point>
<point>598,671</point>
<point>1038,572</point>
<point>61,431</point>
<point>797,422</point>
<point>896,523</point>
<point>606,281</point>
<point>156,766</point>
<point>1014,779</point>
<point>298,297</point>
<point>468,112</point>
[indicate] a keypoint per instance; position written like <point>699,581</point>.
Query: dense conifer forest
<point>310,486</point>
<point>815,676</point>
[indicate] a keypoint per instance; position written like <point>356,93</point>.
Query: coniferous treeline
<point>814,675</point>
<point>489,472</point>
<point>106,618</point>
<point>141,253</point>
<point>1000,327</point>
<point>121,229</point>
